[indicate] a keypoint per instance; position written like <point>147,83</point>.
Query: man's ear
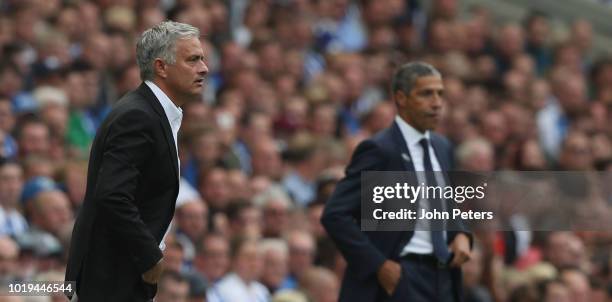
<point>400,98</point>
<point>159,68</point>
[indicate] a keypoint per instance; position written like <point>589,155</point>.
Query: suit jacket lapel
<point>400,142</point>
<point>406,158</point>
<point>154,102</point>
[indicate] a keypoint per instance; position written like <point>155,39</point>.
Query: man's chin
<point>196,93</point>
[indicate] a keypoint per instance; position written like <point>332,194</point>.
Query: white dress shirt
<point>420,243</point>
<point>231,288</point>
<point>12,223</point>
<point>174,114</point>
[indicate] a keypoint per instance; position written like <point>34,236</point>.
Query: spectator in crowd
<point>475,155</point>
<point>379,118</point>
<point>12,222</point>
<point>576,153</point>
<point>32,188</point>
<point>206,153</point>
<point>238,180</point>
<point>213,188</point>
<point>172,288</point>
<point>51,212</point>
<point>53,108</point>
<point>244,219</point>
<point>319,284</point>
<point>306,160</point>
<point>565,105</point>
<point>476,270</point>
<point>276,206</point>
<point>50,216</point>
<point>173,256</point>
<point>266,159</point>
<point>537,30</point>
<point>73,177</point>
<point>554,290</point>
<point>493,128</point>
<point>38,166</point>
<point>33,138</point>
<point>254,126</point>
<point>13,87</point>
<point>275,263</point>
<point>323,120</point>
<point>577,283</point>
<point>564,249</point>
<point>191,223</point>
<point>241,283</point>
<point>82,122</point>
<point>9,253</point>
<point>213,257</point>
<point>302,249</point>
<point>8,148</point>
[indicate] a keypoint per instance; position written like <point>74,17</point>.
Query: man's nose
<point>203,68</point>
<point>436,101</point>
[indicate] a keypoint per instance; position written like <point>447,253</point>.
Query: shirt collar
<point>173,113</point>
<point>411,135</point>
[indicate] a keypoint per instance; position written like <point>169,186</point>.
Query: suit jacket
<point>132,185</point>
<point>365,252</point>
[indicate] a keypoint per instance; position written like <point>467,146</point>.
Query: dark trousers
<point>422,280</point>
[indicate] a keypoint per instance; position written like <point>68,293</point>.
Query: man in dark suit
<point>422,265</point>
<point>133,178</point>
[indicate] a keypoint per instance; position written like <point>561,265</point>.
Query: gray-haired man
<point>133,180</point>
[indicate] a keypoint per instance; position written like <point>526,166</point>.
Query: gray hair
<point>274,193</point>
<point>273,244</point>
<point>405,77</point>
<point>160,42</point>
<point>471,147</point>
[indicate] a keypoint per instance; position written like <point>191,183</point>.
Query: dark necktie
<point>437,234</point>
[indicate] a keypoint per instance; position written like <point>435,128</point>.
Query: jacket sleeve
<point>343,211</point>
<point>127,148</point>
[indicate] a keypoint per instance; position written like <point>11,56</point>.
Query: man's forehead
<point>189,45</point>
<point>432,82</point>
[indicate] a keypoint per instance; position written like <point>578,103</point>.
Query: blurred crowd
<point>294,86</point>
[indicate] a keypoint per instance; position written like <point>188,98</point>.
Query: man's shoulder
<point>384,139</point>
<point>129,113</point>
<point>383,135</point>
<point>375,148</point>
<point>134,99</point>
<point>133,103</point>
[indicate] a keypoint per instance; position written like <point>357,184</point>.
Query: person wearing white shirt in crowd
<point>12,222</point>
<point>241,284</point>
